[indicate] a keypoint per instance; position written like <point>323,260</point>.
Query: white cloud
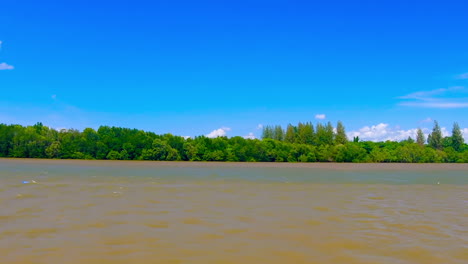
<point>465,134</point>
<point>259,126</point>
<point>442,98</point>
<point>422,95</point>
<point>463,76</point>
<point>445,132</point>
<point>220,132</point>
<point>250,136</point>
<point>320,116</point>
<point>383,132</point>
<point>427,120</point>
<point>4,66</point>
<point>186,137</point>
<point>441,105</point>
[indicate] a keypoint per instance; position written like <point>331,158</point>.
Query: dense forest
<point>301,143</point>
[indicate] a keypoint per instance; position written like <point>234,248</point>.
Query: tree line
<point>303,142</point>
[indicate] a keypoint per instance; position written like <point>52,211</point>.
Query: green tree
<point>124,155</point>
<point>341,137</point>
<point>113,155</point>
<point>435,139</point>
<point>267,132</point>
<point>172,154</point>
<point>290,136</point>
<point>321,135</point>
<point>89,139</point>
<point>305,133</point>
<point>53,151</point>
<point>330,134</point>
<point>381,155</point>
<point>160,149</point>
<point>420,138</point>
<point>457,137</point>
<point>278,133</point>
<point>325,134</point>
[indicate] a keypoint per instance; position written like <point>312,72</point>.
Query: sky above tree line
<point>215,68</point>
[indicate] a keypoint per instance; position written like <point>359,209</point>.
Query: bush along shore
<point>301,143</point>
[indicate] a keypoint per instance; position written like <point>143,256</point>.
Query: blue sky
<point>193,67</point>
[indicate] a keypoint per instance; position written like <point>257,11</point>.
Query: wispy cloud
<point>442,98</point>
<point>441,105</point>
<point>422,95</point>
<point>462,76</point>
<point>4,66</point>
<point>259,126</point>
<point>220,132</point>
<point>320,116</point>
<point>427,120</point>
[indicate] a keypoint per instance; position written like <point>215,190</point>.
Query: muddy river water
<point>148,212</point>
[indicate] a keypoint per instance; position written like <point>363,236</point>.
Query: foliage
<point>420,138</point>
<point>457,137</point>
<point>435,138</point>
<point>301,143</point>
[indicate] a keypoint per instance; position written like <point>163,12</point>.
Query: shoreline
<point>214,164</point>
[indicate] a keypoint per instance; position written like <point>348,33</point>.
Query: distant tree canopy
<point>303,142</point>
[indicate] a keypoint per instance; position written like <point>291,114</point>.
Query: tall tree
<point>341,137</point>
<point>305,133</point>
<point>290,136</point>
<point>457,137</point>
<point>321,135</point>
<point>435,139</point>
<point>325,134</point>
<point>278,133</point>
<point>330,133</point>
<point>420,138</point>
<point>267,132</point>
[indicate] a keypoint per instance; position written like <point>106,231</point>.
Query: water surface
<point>149,212</point>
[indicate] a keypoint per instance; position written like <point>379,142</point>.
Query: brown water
<point>138,212</point>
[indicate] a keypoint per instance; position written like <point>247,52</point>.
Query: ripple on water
<point>27,196</point>
<point>39,232</point>
<point>185,220</point>
<point>233,231</point>
<point>321,208</point>
<point>423,255</point>
<point>313,222</point>
<point>375,197</point>
<point>245,219</point>
<point>53,186</point>
<point>158,224</point>
<point>29,210</point>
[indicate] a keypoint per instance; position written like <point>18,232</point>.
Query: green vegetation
<point>301,143</point>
